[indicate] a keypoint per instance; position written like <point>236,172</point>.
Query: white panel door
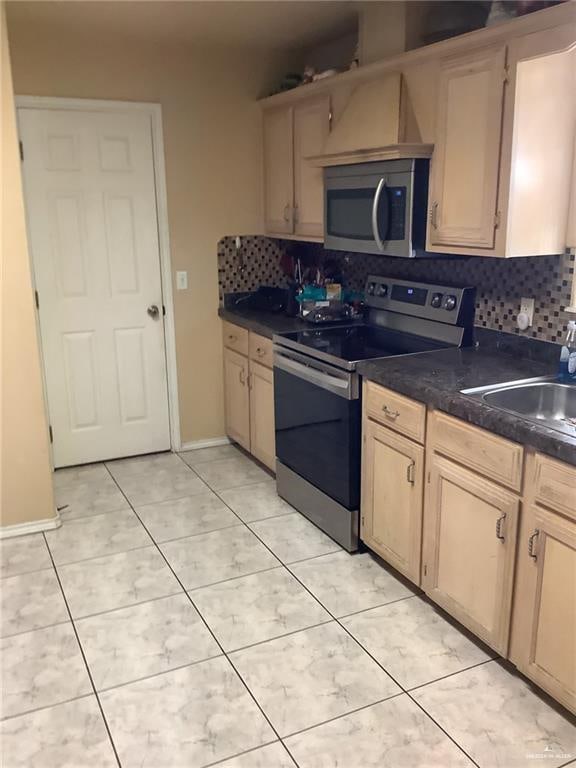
<point>91,209</point>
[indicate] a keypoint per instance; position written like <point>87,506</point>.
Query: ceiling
<point>266,24</point>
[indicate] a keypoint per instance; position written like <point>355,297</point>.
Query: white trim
<point>35,526</point>
<point>211,442</point>
<point>155,113</point>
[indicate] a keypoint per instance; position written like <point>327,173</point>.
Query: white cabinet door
<point>91,210</point>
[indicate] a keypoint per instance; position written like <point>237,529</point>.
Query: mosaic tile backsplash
<point>500,283</point>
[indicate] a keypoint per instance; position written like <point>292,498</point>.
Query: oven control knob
<point>371,289</point>
<point>449,303</point>
<point>436,300</point>
<point>382,290</point>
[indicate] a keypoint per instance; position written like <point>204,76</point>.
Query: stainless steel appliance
<point>377,207</point>
<point>317,392</point>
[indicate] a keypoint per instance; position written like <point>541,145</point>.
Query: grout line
<point>235,578</point>
<point>279,637</point>
<point>100,557</point>
<point>245,752</point>
<point>35,629</point>
<point>129,605</point>
<point>67,519</point>
<point>158,674</point>
<point>374,607</point>
<point>451,674</point>
<point>339,717</point>
<point>25,573</point>
<point>46,706</point>
<point>193,535</point>
<point>89,673</point>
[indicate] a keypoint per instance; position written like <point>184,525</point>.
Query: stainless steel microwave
<point>377,207</point>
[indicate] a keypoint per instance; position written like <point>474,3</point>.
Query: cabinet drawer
<point>491,455</point>
<point>235,338</point>
<point>555,484</point>
<point>395,411</point>
<point>261,350</point>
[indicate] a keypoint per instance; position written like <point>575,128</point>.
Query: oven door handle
<point>375,205</point>
<point>339,386</point>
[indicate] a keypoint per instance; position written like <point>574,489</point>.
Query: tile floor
<point>185,616</point>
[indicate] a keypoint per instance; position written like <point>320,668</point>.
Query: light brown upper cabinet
<point>293,187</point>
<point>502,165</point>
<point>464,175</point>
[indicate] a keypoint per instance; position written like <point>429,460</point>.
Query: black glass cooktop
<point>359,342</point>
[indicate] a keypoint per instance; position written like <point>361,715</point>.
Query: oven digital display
<point>409,295</point>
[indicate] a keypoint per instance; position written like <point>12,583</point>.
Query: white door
<point>92,221</point>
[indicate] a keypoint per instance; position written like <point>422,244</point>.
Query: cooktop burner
<point>361,342</point>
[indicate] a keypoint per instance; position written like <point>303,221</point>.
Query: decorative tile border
<point>500,283</point>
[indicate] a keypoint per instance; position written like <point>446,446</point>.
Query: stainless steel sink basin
<point>544,401</point>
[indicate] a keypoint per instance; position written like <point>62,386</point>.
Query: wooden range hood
<point>371,127</point>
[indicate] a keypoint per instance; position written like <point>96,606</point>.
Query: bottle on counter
<point>567,369</point>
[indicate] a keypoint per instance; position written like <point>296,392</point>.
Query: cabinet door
<point>544,630</point>
<point>311,127</point>
<point>391,519</point>
<point>278,171</point>
<point>236,398</point>
<point>468,549</point>
<point>262,440</point>
<point>465,165</point>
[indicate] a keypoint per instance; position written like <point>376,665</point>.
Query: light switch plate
<point>181,280</point>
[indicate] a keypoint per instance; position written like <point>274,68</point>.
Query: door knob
<point>153,311</point>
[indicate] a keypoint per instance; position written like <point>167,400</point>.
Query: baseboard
<point>211,442</point>
<point>36,526</point>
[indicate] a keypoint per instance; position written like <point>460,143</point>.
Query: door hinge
<point>496,219</point>
<point>362,520</point>
<point>21,147</point>
<point>428,477</point>
<point>505,73</point>
<point>163,310</point>
<point>425,569</point>
<point>37,299</point>
<point>51,433</point>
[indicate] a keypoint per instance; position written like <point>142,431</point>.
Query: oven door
<point>369,214</point>
<point>317,418</point>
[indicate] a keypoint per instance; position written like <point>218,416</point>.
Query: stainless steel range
<point>317,392</point>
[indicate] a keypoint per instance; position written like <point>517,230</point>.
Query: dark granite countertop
<point>436,378</point>
<point>264,323</point>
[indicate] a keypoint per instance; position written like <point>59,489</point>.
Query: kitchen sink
<point>544,401</point>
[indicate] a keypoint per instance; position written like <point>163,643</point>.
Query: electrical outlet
<point>181,280</point>
<point>527,308</point>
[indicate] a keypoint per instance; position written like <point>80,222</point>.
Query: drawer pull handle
<point>390,414</point>
<point>434,215</point>
<point>242,377</point>
<point>499,527</point>
<point>531,544</point>
<point>410,473</point>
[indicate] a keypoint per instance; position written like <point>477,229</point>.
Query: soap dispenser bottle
<point>567,370</point>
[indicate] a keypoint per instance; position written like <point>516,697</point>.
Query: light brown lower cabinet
<point>392,478</point>
<point>249,394</point>
<point>237,398</point>
<point>262,443</point>
<point>469,546</point>
<point>543,644</point>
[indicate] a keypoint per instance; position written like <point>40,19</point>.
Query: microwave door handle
<point>375,229</point>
